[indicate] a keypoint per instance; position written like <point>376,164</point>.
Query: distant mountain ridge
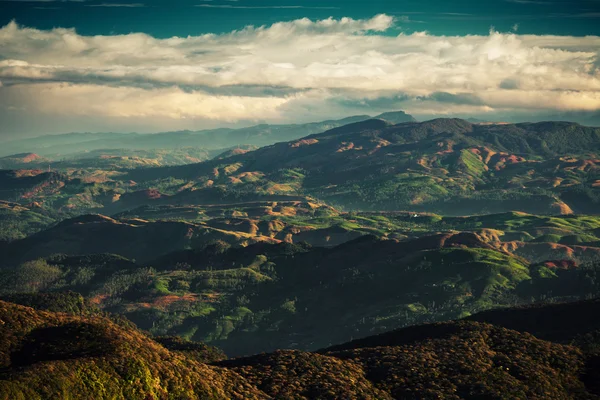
<point>220,138</point>
<point>446,166</point>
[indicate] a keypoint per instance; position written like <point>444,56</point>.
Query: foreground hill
<point>562,322</point>
<point>47,355</point>
<point>53,355</point>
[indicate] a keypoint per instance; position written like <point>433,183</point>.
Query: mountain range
<point>313,261</point>
<point>63,145</point>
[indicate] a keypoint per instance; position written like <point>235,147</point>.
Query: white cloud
<point>85,99</point>
<point>288,68</point>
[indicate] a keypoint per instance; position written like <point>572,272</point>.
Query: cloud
<point>296,69</point>
<point>175,103</point>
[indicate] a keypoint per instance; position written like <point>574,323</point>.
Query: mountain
<point>132,238</point>
<point>74,355</point>
<point>343,240</point>
<point>446,166</point>
<point>27,184</point>
<point>396,117</point>
<point>50,355</point>
<point>59,146</point>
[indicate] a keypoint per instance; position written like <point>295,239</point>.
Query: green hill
<point>47,355</point>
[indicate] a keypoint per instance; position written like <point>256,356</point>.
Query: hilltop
<point>45,354</point>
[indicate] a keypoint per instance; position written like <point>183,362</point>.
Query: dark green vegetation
<point>17,222</point>
<point>60,355</point>
<point>302,245</point>
<point>267,296</point>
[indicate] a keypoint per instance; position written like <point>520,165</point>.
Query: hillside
<point>363,229</point>
<point>274,294</point>
<point>50,355</point>
<point>45,354</point>
<point>561,322</point>
<point>447,166</point>
<point>133,238</point>
<point>444,166</point>
<point>18,222</point>
<point>147,232</point>
<point>16,161</point>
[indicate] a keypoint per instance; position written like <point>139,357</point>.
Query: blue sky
<point>162,18</point>
<point>155,65</point>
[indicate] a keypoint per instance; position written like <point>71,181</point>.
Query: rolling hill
<point>49,354</point>
<point>273,294</point>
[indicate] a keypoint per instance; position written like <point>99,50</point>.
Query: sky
<point>156,65</point>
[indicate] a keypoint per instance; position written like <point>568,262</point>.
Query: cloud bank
<point>294,70</point>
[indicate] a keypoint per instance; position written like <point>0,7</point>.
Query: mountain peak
<point>396,117</point>
<point>369,124</point>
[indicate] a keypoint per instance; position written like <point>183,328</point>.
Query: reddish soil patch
<point>561,264</point>
<point>20,173</point>
<point>304,142</point>
<point>168,300</point>
<point>99,299</point>
<point>30,157</point>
